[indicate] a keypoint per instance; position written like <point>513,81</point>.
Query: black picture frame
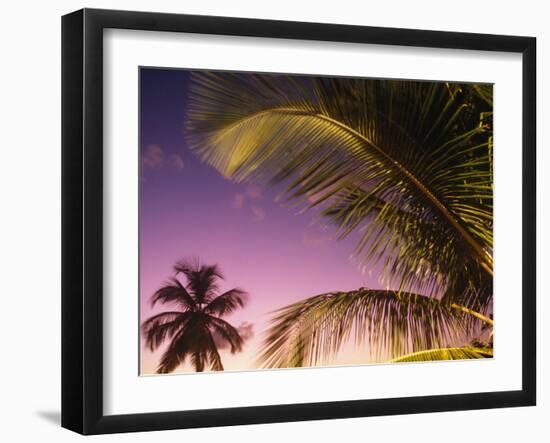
<point>82,216</point>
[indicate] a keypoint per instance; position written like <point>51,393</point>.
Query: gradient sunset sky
<point>264,245</point>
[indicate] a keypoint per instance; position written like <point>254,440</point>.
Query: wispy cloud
<point>253,191</point>
<point>246,198</point>
<point>238,200</point>
<point>177,161</point>
<point>152,157</point>
<point>246,330</point>
<point>316,238</point>
<point>258,213</point>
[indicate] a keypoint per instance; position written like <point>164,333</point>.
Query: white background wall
<point>30,219</point>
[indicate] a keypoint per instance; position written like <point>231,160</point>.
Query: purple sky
<point>187,209</point>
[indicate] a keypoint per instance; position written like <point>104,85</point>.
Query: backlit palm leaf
<point>384,322</point>
<point>445,354</point>
<point>405,164</point>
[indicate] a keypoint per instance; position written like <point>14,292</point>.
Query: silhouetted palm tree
<point>194,329</point>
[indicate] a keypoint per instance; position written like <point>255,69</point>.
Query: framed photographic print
<point>255,209</point>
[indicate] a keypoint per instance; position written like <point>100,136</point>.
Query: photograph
<point>292,220</point>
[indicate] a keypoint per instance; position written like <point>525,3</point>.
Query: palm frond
<point>174,291</point>
<point>384,322</point>
<point>205,354</point>
<point>227,302</point>
<point>215,359</point>
<point>485,92</point>
<point>163,326</point>
<point>183,344</point>
<point>226,332</point>
<point>194,341</point>
<point>445,354</point>
<point>417,149</point>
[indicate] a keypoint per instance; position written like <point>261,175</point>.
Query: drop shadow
<point>53,417</point>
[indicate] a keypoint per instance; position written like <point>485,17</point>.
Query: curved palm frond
<point>390,322</point>
<point>193,340</point>
<point>410,160</point>
<point>174,291</point>
<point>227,332</point>
<point>212,354</point>
<point>163,326</point>
<point>183,344</point>
<point>205,352</point>
<point>227,302</point>
<point>485,92</point>
<point>445,354</point>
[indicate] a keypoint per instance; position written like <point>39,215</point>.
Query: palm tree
<point>406,166</point>
<point>195,328</point>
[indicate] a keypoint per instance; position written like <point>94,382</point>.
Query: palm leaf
<point>227,333</point>
<point>415,148</point>
<point>163,326</point>
<point>194,341</point>
<point>384,322</point>
<point>445,354</point>
<point>485,92</point>
<point>174,291</point>
<point>186,342</point>
<point>227,302</point>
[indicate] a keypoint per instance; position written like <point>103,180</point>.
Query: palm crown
<point>195,328</point>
